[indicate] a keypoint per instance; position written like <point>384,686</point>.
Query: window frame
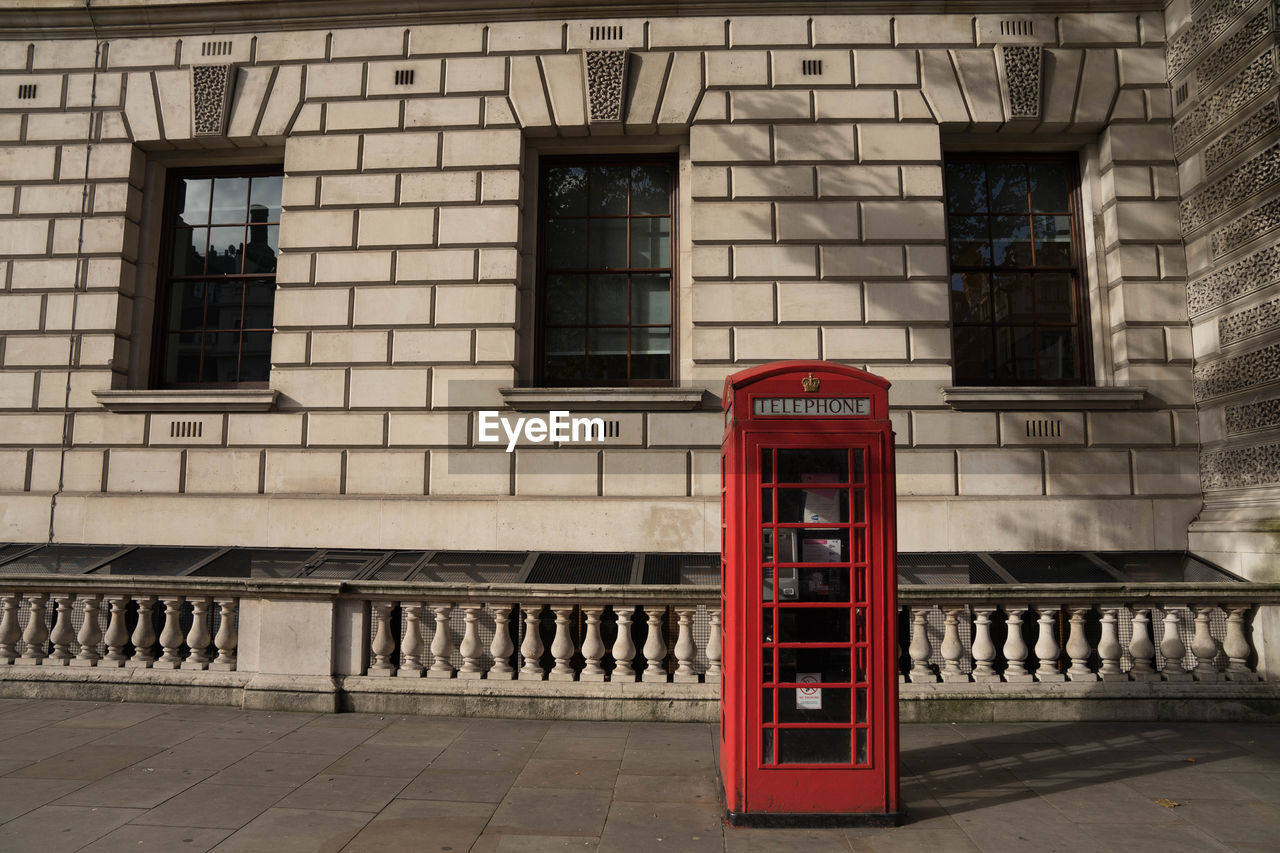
<point>546,162</point>
<point>164,270</point>
<point>1079,270</point>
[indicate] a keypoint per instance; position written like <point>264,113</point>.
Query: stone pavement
<point>105,777</point>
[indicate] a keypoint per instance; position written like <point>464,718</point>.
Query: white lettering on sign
<point>813,407</point>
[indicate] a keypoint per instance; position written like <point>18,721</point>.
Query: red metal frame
<point>758,787</point>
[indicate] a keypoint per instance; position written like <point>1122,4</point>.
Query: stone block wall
<point>811,224</point>
<point>1224,68</point>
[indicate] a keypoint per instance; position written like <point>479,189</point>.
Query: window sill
<point>989,398</point>
<point>189,400</point>
<point>602,399</point>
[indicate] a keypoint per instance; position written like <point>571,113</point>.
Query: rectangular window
<point>216,287</point>
<point>1017,288</point>
<point>605,271</point>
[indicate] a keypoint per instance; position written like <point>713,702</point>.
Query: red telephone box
<point>808,708</point>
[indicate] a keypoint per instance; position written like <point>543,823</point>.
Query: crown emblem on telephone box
<point>811,383</point>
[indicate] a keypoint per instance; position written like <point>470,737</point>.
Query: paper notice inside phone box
<point>821,506</point>
<point>821,550</point>
<point>809,696</point>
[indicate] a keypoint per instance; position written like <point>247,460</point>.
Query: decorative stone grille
<point>1223,57</point>
<point>1022,65</point>
<point>1250,273</point>
<point>211,87</point>
<point>1210,23</point>
<point>1251,226</point>
<point>1240,467</point>
<point>1251,416</point>
<point>1257,174</point>
<point>1255,127</point>
<point>606,83</point>
<point>1256,78</point>
<point>1226,375</point>
<point>1246,324</point>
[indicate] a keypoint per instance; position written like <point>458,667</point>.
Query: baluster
<point>531,647</point>
<point>1173,649</point>
<point>144,634</point>
<point>712,675</point>
<point>951,646</point>
<point>623,648</point>
<point>36,634</point>
<point>9,633</point>
<point>1078,647</point>
<point>62,635</point>
<point>171,634</point>
<point>1109,646</point>
<point>117,634</point>
<point>441,644</point>
<point>562,645</point>
<point>686,650</point>
<point>412,646</point>
<point>1141,648</point>
<point>920,648</point>
<point>592,645</point>
<point>655,646</point>
<point>383,644</point>
<point>228,637</point>
<point>1015,647</point>
<point>90,633</point>
<point>501,647</point>
<point>1046,649</point>
<point>984,650</point>
<point>472,663</point>
<point>198,638</point>
<point>1236,645</point>
<point>1204,646</point>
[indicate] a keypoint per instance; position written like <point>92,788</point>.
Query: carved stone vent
<point>1256,175</point>
<point>1247,275</point>
<point>811,67</point>
<point>1018,27</point>
<point>606,84</point>
<point>26,91</point>
<point>1216,19</point>
<point>1255,127</point>
<point>1217,61</point>
<point>1257,77</point>
<point>1044,428</point>
<point>1253,321</point>
<point>603,33</point>
<point>215,48</point>
<point>1247,228</point>
<point>1248,417</point>
<point>186,429</point>
<point>1180,96</point>
<point>1260,367</point>
<point>1240,468</point>
<point>1021,66</point>
<point>211,87</point>
<point>612,429</point>
<point>404,76</point>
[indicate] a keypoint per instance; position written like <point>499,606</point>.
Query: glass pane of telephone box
<point>812,624</point>
<point>813,746</point>
<point>815,704</point>
<point>830,665</point>
<point>813,465</point>
<point>813,506</point>
<point>800,583</point>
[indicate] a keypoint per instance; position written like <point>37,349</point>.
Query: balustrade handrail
<point>1237,592</point>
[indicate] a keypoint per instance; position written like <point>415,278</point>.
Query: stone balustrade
<point>596,652</point>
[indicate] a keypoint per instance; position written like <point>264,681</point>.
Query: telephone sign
<point>809,686</point>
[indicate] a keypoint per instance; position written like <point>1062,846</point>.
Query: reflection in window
<point>606,270</point>
<point>1016,285</point>
<point>221,239</point>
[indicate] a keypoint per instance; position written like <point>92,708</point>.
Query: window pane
<point>182,357</point>
<point>1050,187</point>
<point>817,704</point>
<point>1053,240</point>
<point>608,299</point>
<point>189,246</point>
<point>966,188</point>
<point>221,357</point>
<point>567,244</point>
<point>969,241</point>
<point>226,246</point>
<point>608,244</point>
<point>1055,297</point>
<point>1011,240</point>
<point>651,242</point>
<point>264,198</point>
<point>566,191</point>
<point>1016,353</point>
<point>1013,298</point>
<point>970,296</point>
<point>230,200</point>
<point>650,299</point>
<point>186,305</point>
<point>1008,187</point>
<point>609,190</point>
<point>566,300</point>
<point>193,201</point>
<point>226,305</point>
<point>650,189</point>
<point>566,355</point>
<point>650,353</point>
<point>261,250</point>
<point>974,354</point>
<point>259,304</point>
<point>813,746</point>
<point>255,357</point>
<point>608,355</point>
<point>1057,354</point>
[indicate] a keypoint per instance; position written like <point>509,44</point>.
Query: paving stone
<point>496,842</point>
<point>588,729</point>
<point>477,786</point>
<point>296,831</point>
<point>641,788</point>
<point>564,811</point>
<point>273,768</point>
<point>674,762</point>
<point>1232,821</point>
<point>51,710</point>
<point>486,755</point>
<point>418,732</point>
<point>783,840</point>
<point>18,796</point>
<point>670,826</point>
<point>204,754</point>
<point>352,793</point>
<point>1145,838</point>
<point>160,838</point>
<point>599,749</point>
<point>569,773</point>
<point>85,762</point>
<point>421,825</point>
<point>141,787</point>
<point>157,731</point>
<point>894,840</point>
<point>116,716</point>
<point>331,741</point>
<point>54,829</point>
<point>214,806</point>
<point>389,761</point>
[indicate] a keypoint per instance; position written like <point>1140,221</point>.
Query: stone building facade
<point>409,176</point>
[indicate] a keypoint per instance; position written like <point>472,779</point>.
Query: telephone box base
<point>803,819</point>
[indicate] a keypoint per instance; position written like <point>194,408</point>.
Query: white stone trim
<point>194,400</point>
<point>602,399</point>
<point>995,397</point>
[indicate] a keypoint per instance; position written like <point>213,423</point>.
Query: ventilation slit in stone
<point>26,91</point>
<point>404,77</point>
<point>811,67</point>
<point>1013,27</point>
